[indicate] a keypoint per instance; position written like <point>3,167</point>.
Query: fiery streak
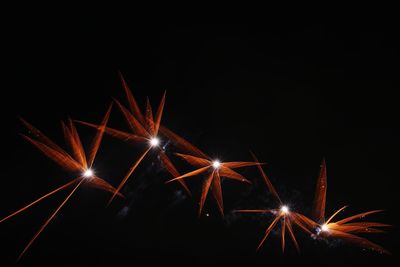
<point>38,200</point>
<point>181,143</point>
<point>131,170</point>
<point>215,170</point>
<point>49,220</point>
<point>76,162</point>
<point>145,129</point>
<point>344,229</point>
<point>320,196</point>
<point>283,215</point>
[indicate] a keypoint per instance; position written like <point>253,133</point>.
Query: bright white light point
<point>324,228</point>
<point>216,164</point>
<point>154,141</point>
<point>285,209</point>
<point>88,173</point>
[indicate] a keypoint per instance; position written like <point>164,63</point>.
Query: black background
<point>292,92</point>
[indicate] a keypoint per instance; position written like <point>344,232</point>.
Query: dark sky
<point>292,92</point>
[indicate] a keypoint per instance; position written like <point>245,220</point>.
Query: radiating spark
<point>283,215</point>
<point>216,164</point>
<point>215,170</point>
<point>285,209</point>
<point>77,162</point>
<point>345,229</point>
<point>144,129</point>
<point>154,141</point>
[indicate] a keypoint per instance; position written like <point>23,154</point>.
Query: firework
<point>144,129</point>
<point>345,229</point>
<point>214,170</point>
<point>78,164</point>
<point>283,215</point>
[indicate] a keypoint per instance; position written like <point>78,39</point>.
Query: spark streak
<point>283,215</point>
<point>144,129</point>
<point>344,229</point>
<point>76,162</point>
<point>215,170</point>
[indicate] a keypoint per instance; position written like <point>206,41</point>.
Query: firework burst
<point>282,215</point>
<point>144,129</point>
<point>78,163</point>
<point>345,229</point>
<point>215,171</point>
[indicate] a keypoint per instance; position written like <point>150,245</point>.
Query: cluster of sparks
<point>146,129</point>
<point>345,229</point>
<point>281,214</point>
<point>316,226</point>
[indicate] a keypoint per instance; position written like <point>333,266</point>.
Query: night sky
<point>291,92</point>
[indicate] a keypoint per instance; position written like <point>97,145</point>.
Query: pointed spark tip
<point>169,181</point>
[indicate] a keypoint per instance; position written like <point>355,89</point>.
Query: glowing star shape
<point>283,215</point>
<point>88,173</point>
<point>216,164</point>
<point>77,162</point>
<point>154,141</point>
<point>215,170</point>
<point>345,229</point>
<point>285,209</point>
<point>144,129</point>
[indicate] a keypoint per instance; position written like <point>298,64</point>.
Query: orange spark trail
<point>75,144</point>
<point>144,128</point>
<point>173,171</point>
<point>73,163</point>
<point>283,215</point>
<point>213,180</point>
<point>131,170</point>
<point>336,213</point>
<point>217,192</point>
<point>359,241</point>
<point>320,196</point>
<point>269,229</point>
<point>283,233</point>
<point>343,229</point>
<point>182,143</point>
<point>206,187</point>
<point>49,220</point>
<point>38,200</point>
<point>65,161</point>
<point>132,102</point>
<point>159,114</point>
<point>358,216</point>
<point>190,174</point>
<point>291,233</point>
<point>99,136</point>
<point>267,181</point>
